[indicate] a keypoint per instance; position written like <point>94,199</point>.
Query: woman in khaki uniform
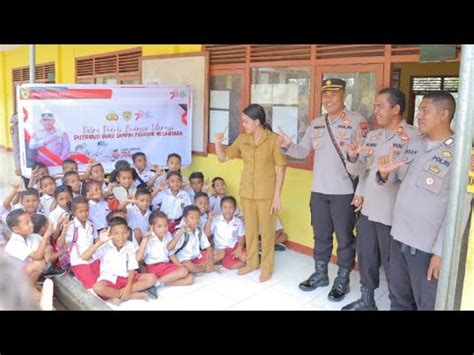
<point>260,185</point>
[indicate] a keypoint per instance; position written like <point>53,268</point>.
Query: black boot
<point>365,303</point>
<point>341,285</point>
<point>318,279</point>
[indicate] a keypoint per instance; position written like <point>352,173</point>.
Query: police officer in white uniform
<point>376,201</point>
<point>332,189</point>
<point>419,214</point>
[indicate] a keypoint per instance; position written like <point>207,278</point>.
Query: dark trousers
<point>373,251</point>
<point>329,214</point>
<point>408,284</point>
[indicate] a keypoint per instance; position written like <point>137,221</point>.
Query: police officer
<point>419,214</point>
<point>332,189</point>
<point>376,201</point>
<point>55,141</point>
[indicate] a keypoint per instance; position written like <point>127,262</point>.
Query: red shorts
<point>161,269</point>
<point>121,281</point>
<point>202,259</point>
<point>87,274</point>
<point>229,260</point>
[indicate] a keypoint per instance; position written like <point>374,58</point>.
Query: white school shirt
<point>197,240</point>
<point>215,204</point>
<point>115,263</point>
<point>156,250</point>
<point>136,219</point>
<point>85,239</point>
<point>56,214</point>
<point>98,212</point>
<point>45,202</point>
<point>20,248</point>
<point>203,220</point>
<point>226,235</point>
<point>121,193</point>
<point>145,175</point>
<point>171,205</point>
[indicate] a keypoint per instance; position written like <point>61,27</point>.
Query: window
<point>421,86</point>
<point>44,74</point>
<point>114,68</point>
<point>284,94</point>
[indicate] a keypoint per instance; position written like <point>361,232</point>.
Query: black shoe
<point>319,279</point>
<point>365,303</point>
<point>280,247</point>
<point>53,271</point>
<point>341,286</point>
<point>152,292</point>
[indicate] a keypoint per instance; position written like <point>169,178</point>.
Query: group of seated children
<point>124,238</point>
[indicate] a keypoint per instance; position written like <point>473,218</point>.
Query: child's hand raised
<point>206,186</point>
<point>162,186</point>
<point>16,186</point>
<point>104,235</point>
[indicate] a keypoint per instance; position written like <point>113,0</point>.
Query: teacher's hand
<point>276,205</point>
<point>221,136</point>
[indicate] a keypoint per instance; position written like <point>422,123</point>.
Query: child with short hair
<point>146,176</point>
<point>197,184</point>
<point>138,213</point>
<point>229,235</point>
<point>173,163</point>
<point>40,226</point>
<point>47,187</point>
<point>40,170</point>
<point>188,241</point>
<point>219,187</point>
<point>123,214</point>
<point>118,279</point>
<point>156,256</point>
<point>27,248</point>
<point>68,165</point>
<point>201,200</point>
<point>98,207</point>
<point>62,200</point>
<point>72,179</point>
<point>172,200</point>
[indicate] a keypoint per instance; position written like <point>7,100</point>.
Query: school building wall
<point>295,214</point>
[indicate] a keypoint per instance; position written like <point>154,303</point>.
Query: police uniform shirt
<point>115,263</point>
<point>20,248</point>
<point>171,205</point>
<point>329,175</point>
<point>136,219</point>
<point>85,239</point>
<point>227,234</point>
<point>419,214</point>
<point>197,240</point>
<point>98,212</point>
<point>156,250</point>
<point>379,199</point>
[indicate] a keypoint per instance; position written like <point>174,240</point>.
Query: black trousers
<point>329,214</point>
<point>408,284</point>
<point>373,251</point>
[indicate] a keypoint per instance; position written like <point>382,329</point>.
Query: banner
<point>102,122</point>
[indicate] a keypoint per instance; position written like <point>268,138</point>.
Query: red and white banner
<point>102,122</point>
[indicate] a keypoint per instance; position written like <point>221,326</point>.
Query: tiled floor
<point>228,291</point>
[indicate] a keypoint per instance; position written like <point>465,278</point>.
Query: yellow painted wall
<point>64,58</point>
<point>423,69</point>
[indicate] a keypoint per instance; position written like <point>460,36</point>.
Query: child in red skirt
<point>229,235</point>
